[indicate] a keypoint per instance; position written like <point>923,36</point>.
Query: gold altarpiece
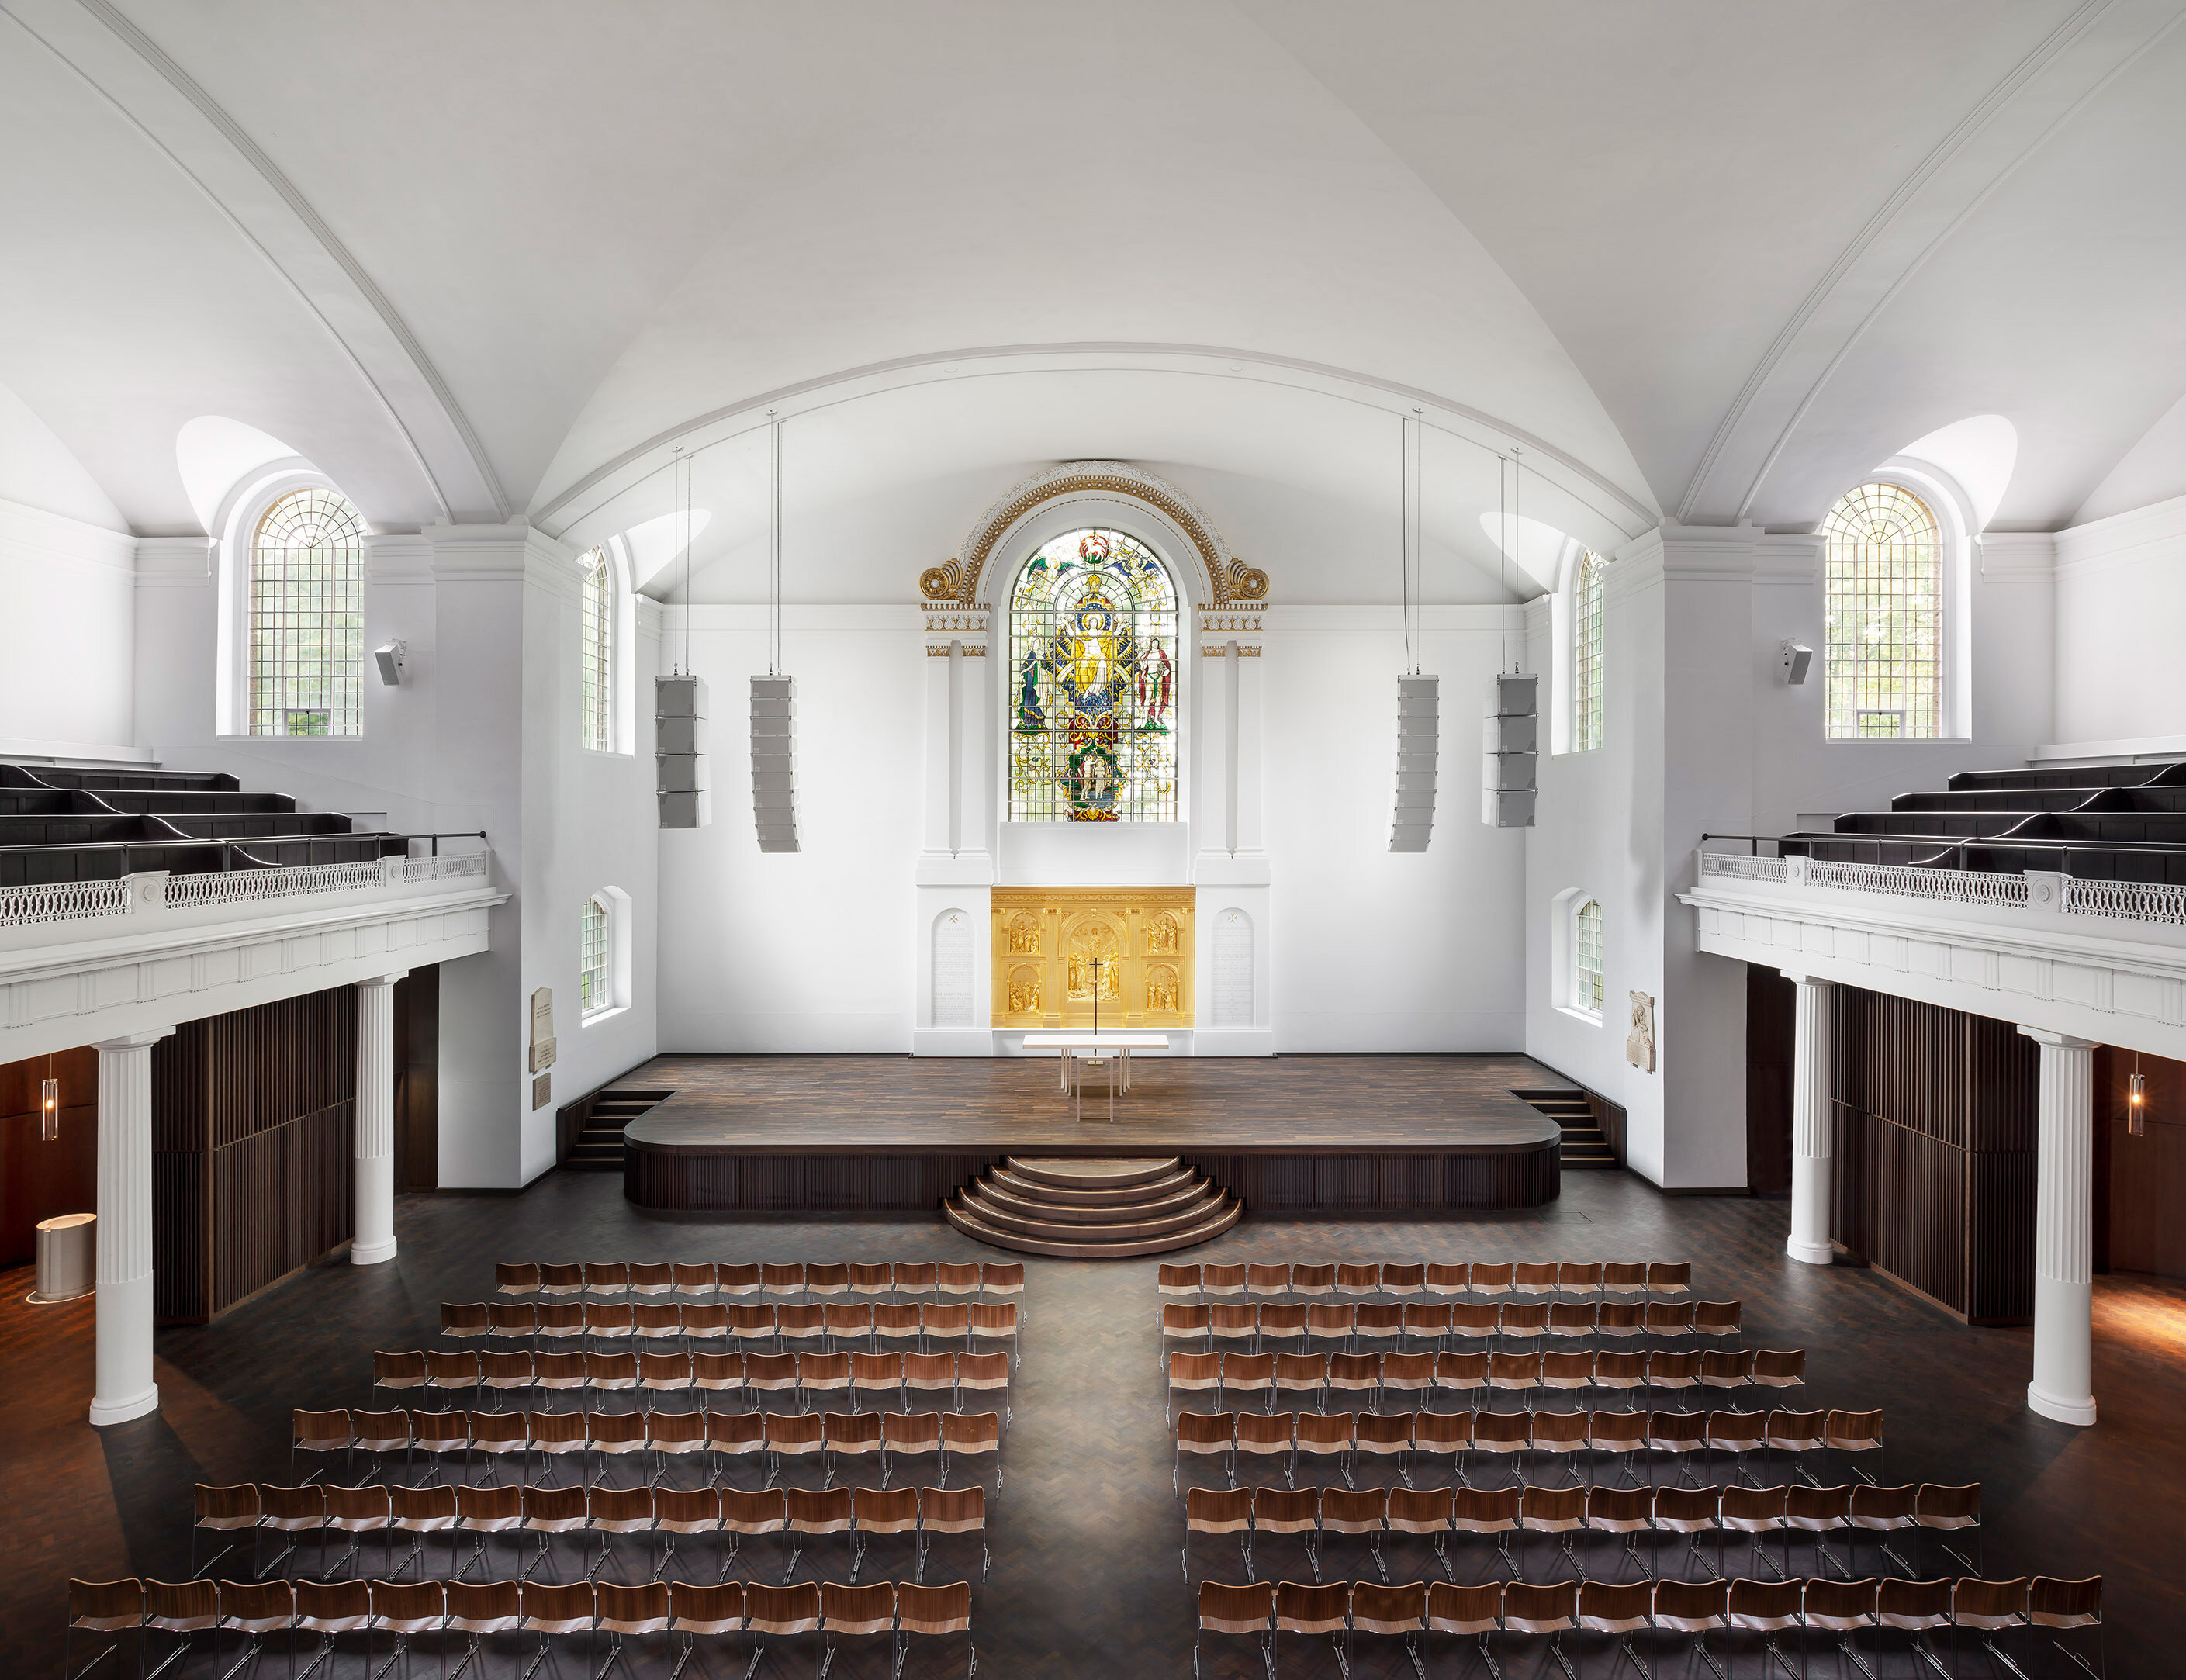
<point>1052,945</point>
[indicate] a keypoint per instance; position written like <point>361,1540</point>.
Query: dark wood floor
<point>796,1104</point>
<point>1085,1581</point>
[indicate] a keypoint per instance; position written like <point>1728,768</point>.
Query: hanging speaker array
<point>1511,738</point>
<point>679,755</point>
<point>774,762</point>
<point>1418,704</point>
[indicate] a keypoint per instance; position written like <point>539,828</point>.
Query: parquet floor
<point>1085,1582</point>
<point>980,1103</point>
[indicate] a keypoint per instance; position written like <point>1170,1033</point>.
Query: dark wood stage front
<point>1333,1133</point>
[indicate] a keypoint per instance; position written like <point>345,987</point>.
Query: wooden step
<point>1091,1172</point>
<point>1163,1223</point>
<point>972,1226</point>
<point>1032,1189</point>
<point>1075,1213</point>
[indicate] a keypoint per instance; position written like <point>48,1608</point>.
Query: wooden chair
<point>1244,1612</point>
<point>933,1613</point>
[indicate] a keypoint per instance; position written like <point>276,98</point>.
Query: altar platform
<point>1299,1134</point>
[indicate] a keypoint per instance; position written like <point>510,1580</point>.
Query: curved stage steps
<point>1093,1207</point>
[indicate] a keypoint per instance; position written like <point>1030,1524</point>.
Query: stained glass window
<point>596,656</point>
<point>1093,689</point>
<point>1884,618</point>
<point>1586,957</point>
<point>306,616</point>
<point>1586,655</point>
<point>593,990</point>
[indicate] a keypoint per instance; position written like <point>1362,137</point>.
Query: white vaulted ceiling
<point>1709,258</point>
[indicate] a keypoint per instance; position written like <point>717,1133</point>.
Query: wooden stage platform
<point>1332,1133</point>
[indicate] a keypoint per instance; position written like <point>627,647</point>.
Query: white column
<point>1810,1122</point>
<point>121,1385</point>
<point>374,1240</point>
<point>2063,1230</point>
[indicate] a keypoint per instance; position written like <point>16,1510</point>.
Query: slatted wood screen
<point>253,1149</point>
<point>1933,1133</point>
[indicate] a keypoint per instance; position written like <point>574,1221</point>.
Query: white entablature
<point>2104,961</point>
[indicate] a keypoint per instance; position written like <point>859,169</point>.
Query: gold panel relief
<point>1058,952</point>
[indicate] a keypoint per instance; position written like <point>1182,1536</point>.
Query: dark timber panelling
<point>254,1147</point>
<point>1771,1018</point>
<point>39,1179</point>
<point>2147,1175</point>
<point>1932,1127</point>
<point>725,1181</point>
<point>417,1079</point>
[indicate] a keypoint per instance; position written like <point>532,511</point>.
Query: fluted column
<point>2064,1231</point>
<point>374,1240</point>
<point>1810,1122</point>
<point>122,1387</point>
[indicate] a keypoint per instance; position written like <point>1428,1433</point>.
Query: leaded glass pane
<point>1885,616</point>
<point>1586,957</point>
<point>1093,710</point>
<point>306,616</point>
<point>592,956</point>
<point>1586,656</point>
<point>596,657</point>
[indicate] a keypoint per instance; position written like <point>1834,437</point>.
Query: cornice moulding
<point>910,621</point>
<point>2121,537</point>
<point>2018,556</point>
<point>1385,618</point>
<point>59,537</point>
<point>172,563</point>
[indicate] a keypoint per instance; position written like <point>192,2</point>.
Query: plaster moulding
<point>2017,556</point>
<point>170,563</point>
<point>59,537</point>
<point>2121,538</point>
<point>1228,582</point>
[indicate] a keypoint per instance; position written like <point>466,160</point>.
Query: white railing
<point>64,901</point>
<point>74,900</point>
<point>2126,900</point>
<point>1737,866</point>
<point>1949,886</point>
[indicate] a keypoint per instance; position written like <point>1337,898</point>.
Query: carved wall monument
<point>1640,1042</point>
<point>1056,949</point>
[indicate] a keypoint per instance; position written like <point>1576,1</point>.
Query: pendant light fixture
<point>49,1105</point>
<point>2136,1100</point>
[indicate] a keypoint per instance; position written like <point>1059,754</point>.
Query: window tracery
<point>1586,686</point>
<point>1883,617</point>
<point>307,616</point>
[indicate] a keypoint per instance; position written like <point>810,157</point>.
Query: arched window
<point>1093,693</point>
<point>595,975</point>
<point>1586,654</point>
<point>596,656</point>
<point>307,616</point>
<point>1586,956</point>
<point>1884,617</point>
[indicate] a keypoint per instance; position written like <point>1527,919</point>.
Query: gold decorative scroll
<point>1056,948</point>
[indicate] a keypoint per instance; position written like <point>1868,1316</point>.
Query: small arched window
<point>307,616</point>
<point>595,970</point>
<point>1883,617</point>
<point>1586,956</point>
<point>1093,696</point>
<point>596,656</point>
<point>1586,654</point>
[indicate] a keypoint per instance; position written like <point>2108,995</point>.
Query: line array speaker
<point>1417,705</point>
<point>774,762</point>
<point>679,751</point>
<point>1510,743</point>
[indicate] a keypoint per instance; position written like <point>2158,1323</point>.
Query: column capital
<point>134,1040</point>
<point>387,979</point>
<point>2049,1040</point>
<point>1800,977</point>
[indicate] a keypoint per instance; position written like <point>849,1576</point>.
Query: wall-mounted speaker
<point>1798,656</point>
<point>1511,738</point>
<point>774,762</point>
<point>679,751</point>
<point>1417,730</point>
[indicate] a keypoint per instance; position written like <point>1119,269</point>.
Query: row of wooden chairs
<point>329,1611</point>
<point>1837,1611</point>
<point>1319,1375</point>
<point>611,1322</point>
<point>1343,1438</point>
<point>991,1280</point>
<point>1633,1280</point>
<point>251,1510</point>
<point>1394,1323</point>
<point>770,1437</point>
<point>467,1371</point>
<point>1948,1515</point>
